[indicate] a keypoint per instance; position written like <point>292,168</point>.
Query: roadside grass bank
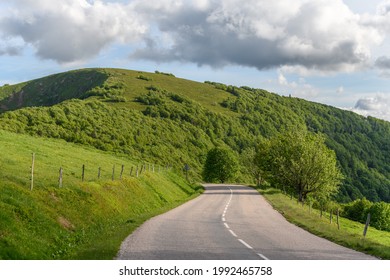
<point>82,219</point>
<point>350,234</point>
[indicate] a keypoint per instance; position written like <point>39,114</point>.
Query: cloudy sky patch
<point>377,106</point>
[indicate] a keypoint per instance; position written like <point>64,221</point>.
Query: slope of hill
<point>156,116</point>
<point>50,90</point>
<point>82,219</point>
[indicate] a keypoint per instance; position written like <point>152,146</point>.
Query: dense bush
<point>358,210</point>
<point>379,211</point>
<point>380,215</point>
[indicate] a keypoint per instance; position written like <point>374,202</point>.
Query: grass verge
<point>350,234</point>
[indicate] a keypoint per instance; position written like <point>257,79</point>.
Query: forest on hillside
<point>153,122</point>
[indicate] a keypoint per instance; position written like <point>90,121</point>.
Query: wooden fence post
<point>131,171</point>
<point>338,216</point>
<point>99,172</point>
<point>113,173</point>
<point>83,173</point>
<point>330,212</point>
<point>32,171</point>
<point>137,171</point>
<point>60,178</point>
<point>367,224</point>
<point>123,167</point>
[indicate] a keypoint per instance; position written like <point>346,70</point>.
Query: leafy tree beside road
<point>300,161</point>
<point>221,165</point>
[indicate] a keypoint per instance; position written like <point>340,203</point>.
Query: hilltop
<point>156,116</point>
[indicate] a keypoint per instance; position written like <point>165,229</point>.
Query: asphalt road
<point>228,222</point>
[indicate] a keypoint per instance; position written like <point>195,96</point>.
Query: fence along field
<point>147,167</point>
<point>139,169</point>
<point>332,211</point>
<point>359,236</point>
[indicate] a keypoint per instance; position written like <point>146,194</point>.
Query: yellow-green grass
<point>350,234</point>
<point>205,94</point>
<point>81,220</point>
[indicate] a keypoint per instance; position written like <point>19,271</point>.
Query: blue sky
<point>329,51</point>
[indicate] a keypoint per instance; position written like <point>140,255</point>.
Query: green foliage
<point>145,78</point>
<point>166,74</point>
<point>300,161</point>
<point>221,165</point>
<point>251,163</point>
<point>380,213</point>
<point>197,115</point>
<point>360,208</point>
<point>97,124</point>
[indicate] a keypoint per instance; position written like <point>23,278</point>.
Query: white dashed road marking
<point>232,232</point>
<point>246,244</point>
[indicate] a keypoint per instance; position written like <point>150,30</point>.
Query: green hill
<point>158,117</point>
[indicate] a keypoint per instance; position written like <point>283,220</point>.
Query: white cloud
<point>376,106</point>
<point>299,88</point>
<point>379,21</point>
<point>71,30</point>
<point>282,80</point>
<point>315,35</point>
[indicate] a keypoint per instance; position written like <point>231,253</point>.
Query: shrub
<point>358,210</point>
<point>142,77</point>
<point>380,216</point>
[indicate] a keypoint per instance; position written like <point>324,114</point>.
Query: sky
<point>335,52</point>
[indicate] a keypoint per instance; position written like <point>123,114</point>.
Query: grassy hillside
<point>156,116</point>
<point>81,220</point>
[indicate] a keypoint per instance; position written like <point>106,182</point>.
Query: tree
<point>221,165</point>
<point>301,161</point>
<point>249,164</point>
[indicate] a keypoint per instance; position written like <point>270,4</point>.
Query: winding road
<point>228,222</point>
